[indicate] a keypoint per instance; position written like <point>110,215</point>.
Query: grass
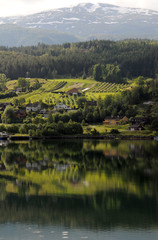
<point>104,129</point>
<point>123,129</point>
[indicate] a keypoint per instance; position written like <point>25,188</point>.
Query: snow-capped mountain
<point>88,21</point>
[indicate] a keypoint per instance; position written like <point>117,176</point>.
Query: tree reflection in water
<point>96,184</point>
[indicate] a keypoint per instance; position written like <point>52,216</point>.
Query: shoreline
<point>105,137</point>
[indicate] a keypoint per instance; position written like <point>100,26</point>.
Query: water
<point>79,190</point>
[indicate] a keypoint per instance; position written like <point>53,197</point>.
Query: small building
<point>124,119</point>
<point>19,90</point>
<point>115,120</point>
<point>42,111</point>
<point>136,127</point>
<point>73,91</point>
<point>112,121</point>
<point>35,107</point>
<point>61,106</point>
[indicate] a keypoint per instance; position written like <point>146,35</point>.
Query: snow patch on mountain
<point>71,19</point>
<point>88,20</point>
<point>110,22</point>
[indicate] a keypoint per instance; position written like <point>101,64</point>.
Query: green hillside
<point>95,80</point>
<point>53,90</point>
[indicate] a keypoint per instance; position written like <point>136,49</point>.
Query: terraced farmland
<point>107,87</point>
<point>58,86</point>
<point>52,86</point>
<point>50,91</point>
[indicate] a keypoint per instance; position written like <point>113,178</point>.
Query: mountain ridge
<point>89,21</point>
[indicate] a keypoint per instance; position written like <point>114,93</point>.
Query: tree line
<point>130,58</point>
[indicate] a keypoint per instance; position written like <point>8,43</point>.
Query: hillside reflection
<point>97,184</point>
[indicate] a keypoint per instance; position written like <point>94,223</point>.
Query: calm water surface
<point>79,190</point>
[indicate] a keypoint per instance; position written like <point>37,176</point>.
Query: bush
<point>12,128</point>
<point>8,115</point>
<point>94,132</point>
<point>2,128</point>
<point>154,125</point>
<point>49,132</point>
<point>38,119</point>
<point>23,129</point>
<point>31,133</point>
<point>38,132</point>
<point>114,131</point>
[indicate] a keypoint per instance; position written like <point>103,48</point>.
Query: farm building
<point>35,107</point>
<point>136,127</point>
<point>19,90</point>
<point>61,106</point>
<point>115,121</point>
<point>73,91</point>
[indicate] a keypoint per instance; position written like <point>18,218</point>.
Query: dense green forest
<point>132,57</point>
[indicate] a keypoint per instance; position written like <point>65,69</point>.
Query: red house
<point>73,91</point>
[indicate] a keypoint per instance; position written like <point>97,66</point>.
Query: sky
<point>24,7</point>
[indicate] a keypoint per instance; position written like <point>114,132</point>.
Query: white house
<point>61,106</point>
<point>35,107</point>
<point>136,127</point>
<point>18,90</point>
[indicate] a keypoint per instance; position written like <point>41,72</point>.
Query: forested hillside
<point>132,57</point>
<point>14,35</point>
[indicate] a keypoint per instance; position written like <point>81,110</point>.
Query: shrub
<point>12,128</point>
<point>114,131</point>
<point>94,132</point>
<point>154,125</point>
<point>23,129</point>
<point>2,128</point>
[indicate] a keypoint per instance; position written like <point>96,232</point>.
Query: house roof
<point>125,118</point>
<point>136,126</point>
<point>73,90</point>
<point>35,104</point>
<point>61,105</point>
<point>29,105</point>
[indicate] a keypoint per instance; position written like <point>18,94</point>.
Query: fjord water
<point>79,189</point>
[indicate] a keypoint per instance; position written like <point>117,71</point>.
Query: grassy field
<point>104,129</point>
<point>123,129</point>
